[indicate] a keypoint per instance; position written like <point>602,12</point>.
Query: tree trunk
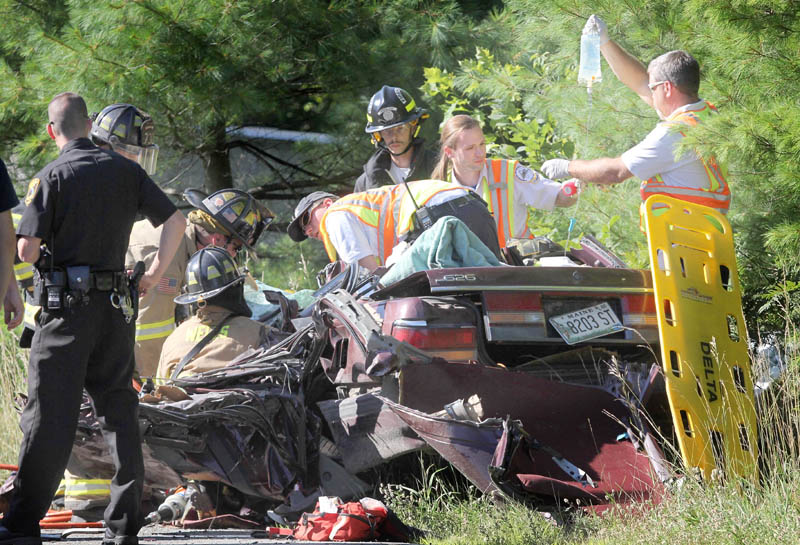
<point>218,164</point>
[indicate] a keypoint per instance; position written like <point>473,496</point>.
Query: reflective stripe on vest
<point>154,330</point>
<point>387,209</point>
<point>498,192</point>
<point>718,194</point>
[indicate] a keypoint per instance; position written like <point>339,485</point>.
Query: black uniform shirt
<point>84,203</point>
<point>8,199</point>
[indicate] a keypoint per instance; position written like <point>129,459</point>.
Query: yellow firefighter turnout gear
<point>156,309</point>
<point>237,335</point>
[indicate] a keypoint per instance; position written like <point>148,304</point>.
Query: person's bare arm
<point>171,235</point>
<point>13,306</point>
<point>7,244</point>
<point>28,249</point>
<point>628,69</point>
<point>369,262</point>
<point>12,302</point>
<point>603,171</point>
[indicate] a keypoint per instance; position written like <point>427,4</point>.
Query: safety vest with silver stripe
<point>717,194</point>
<point>497,189</point>
<point>387,209</point>
<point>498,192</point>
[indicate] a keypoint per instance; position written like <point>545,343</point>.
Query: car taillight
<point>436,337</point>
<point>458,343</point>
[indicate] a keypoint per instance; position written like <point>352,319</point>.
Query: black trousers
<point>89,346</point>
<point>475,214</point>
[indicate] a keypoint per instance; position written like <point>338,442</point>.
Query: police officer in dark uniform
<point>81,207</point>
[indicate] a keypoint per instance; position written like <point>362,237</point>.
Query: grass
<point>693,513</point>
<point>453,512</point>
<point>12,380</point>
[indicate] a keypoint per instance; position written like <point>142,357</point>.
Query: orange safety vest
<point>717,194</point>
<point>387,209</point>
<point>497,189</point>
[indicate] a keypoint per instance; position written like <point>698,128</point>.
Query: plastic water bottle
<point>589,70</point>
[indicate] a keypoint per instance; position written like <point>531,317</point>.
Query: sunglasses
<point>306,218</point>
<point>652,86</point>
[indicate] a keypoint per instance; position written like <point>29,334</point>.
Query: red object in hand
<point>570,188</point>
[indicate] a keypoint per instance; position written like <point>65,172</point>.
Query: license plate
<point>586,323</point>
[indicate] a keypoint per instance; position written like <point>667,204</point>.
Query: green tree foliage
<point>202,67</point>
<point>750,67</point>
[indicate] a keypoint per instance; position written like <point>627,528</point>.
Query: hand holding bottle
<point>600,26</point>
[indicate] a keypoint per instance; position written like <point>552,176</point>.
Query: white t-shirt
<point>399,174</point>
<point>657,154</point>
<point>354,239</point>
<point>530,189</point>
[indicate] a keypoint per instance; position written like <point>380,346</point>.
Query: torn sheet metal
<point>581,423</point>
<point>260,441</point>
<point>367,432</point>
<point>469,446</point>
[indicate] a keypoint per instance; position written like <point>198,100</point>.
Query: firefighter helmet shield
<point>210,271</point>
<point>129,131</point>
<point>237,211</point>
<point>390,107</point>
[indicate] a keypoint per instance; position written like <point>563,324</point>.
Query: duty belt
<point>69,287</point>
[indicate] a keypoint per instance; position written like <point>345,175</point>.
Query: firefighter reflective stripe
<point>23,271</point>
<point>76,489</point>
<point>703,339</point>
<point>29,317</point>
<point>717,194</point>
<point>155,330</point>
<point>388,209</point>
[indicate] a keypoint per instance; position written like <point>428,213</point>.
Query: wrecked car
<point>538,383</point>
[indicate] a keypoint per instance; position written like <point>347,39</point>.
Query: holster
<point>49,289</point>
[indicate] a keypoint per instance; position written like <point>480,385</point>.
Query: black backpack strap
<point>199,346</point>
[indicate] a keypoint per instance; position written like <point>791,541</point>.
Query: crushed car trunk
<point>577,438</point>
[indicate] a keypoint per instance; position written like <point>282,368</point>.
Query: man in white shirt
<point>670,84</point>
<point>364,227</point>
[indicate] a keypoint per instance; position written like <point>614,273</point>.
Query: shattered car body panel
<point>367,431</point>
<point>253,439</point>
<point>563,423</point>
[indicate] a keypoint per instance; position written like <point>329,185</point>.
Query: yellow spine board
<point>703,336</point>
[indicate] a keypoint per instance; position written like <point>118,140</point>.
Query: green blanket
<point>449,243</point>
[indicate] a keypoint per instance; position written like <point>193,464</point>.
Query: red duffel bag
<point>333,520</point>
